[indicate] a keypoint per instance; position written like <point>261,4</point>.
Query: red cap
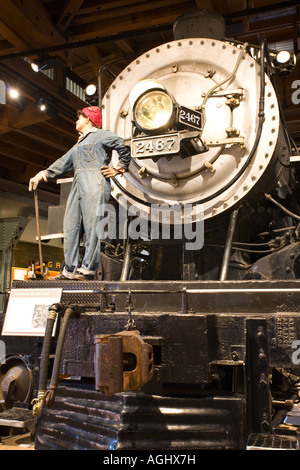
<point>93,113</point>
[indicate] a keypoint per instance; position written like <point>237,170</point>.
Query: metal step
<point>18,418</point>
<point>271,442</point>
<point>293,416</point>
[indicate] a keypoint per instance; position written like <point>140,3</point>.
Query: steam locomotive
<point>189,337</point>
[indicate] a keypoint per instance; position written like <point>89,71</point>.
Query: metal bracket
<point>229,141</point>
<point>123,361</point>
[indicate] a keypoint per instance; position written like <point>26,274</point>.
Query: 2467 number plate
<point>190,117</point>
<point>153,146</point>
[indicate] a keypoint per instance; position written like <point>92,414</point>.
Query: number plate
<point>155,145</point>
<point>190,117</point>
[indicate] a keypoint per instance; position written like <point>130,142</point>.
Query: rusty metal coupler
<point>123,361</point>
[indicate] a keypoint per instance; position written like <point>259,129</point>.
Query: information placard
<point>27,311</point>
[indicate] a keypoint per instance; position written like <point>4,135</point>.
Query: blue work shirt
<point>91,153</point>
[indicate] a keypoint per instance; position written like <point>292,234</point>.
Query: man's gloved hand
<point>33,183</point>
<point>109,172</point>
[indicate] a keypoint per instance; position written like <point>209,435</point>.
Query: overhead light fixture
<point>47,63</point>
<point>90,89</point>
<point>41,104</point>
<point>13,93</point>
<point>47,107</point>
<point>14,97</point>
<point>284,62</point>
<point>153,107</point>
<point>91,95</point>
<point>283,57</point>
<point>35,67</point>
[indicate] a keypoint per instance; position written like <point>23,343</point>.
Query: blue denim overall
<point>89,190</point>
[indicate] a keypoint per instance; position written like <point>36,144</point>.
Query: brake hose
<point>38,402</point>
<point>50,394</point>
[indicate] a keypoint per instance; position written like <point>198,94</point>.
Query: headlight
<point>284,62</point>
<point>153,111</point>
<point>283,57</point>
<point>153,108</point>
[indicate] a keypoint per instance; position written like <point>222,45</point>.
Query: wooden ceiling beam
<point>11,164</point>
<point>274,23</point>
<point>94,58</point>
<point>6,122</point>
<point>133,10</point>
<point>18,171</point>
<point>205,4</point>
<point>13,119</point>
<point>23,149</point>
<point>132,22</point>
<point>32,21</point>
<point>95,7</point>
<point>86,68</point>
<point>271,36</point>
<point>18,42</point>
<point>238,5</point>
<point>64,127</point>
<point>44,137</point>
<point>70,8</point>
<point>18,189</point>
<point>22,176</point>
<point>127,48</point>
<point>9,156</point>
<point>90,26</point>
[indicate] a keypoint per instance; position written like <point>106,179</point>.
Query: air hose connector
<point>38,403</point>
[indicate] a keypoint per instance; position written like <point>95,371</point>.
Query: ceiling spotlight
<point>284,62</point>
<point>41,104</point>
<point>47,107</point>
<point>283,57</point>
<point>34,67</point>
<point>14,93</point>
<point>15,98</point>
<point>91,89</point>
<point>47,63</point>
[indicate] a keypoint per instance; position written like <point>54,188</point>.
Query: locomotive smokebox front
<point>203,123</point>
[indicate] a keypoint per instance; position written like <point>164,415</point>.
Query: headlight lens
<point>153,107</point>
<point>283,57</point>
<point>284,62</point>
<point>153,110</point>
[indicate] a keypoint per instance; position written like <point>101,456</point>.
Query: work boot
<point>59,277</point>
<point>83,277</point>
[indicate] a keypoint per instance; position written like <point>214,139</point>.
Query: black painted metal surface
<point>203,342</point>
<point>172,296</point>
<point>83,419</point>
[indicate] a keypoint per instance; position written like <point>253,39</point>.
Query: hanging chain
<point>128,305</point>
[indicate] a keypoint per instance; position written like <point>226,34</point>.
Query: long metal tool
<point>37,216</point>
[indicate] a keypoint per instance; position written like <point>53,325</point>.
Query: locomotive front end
<point>203,122</point>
